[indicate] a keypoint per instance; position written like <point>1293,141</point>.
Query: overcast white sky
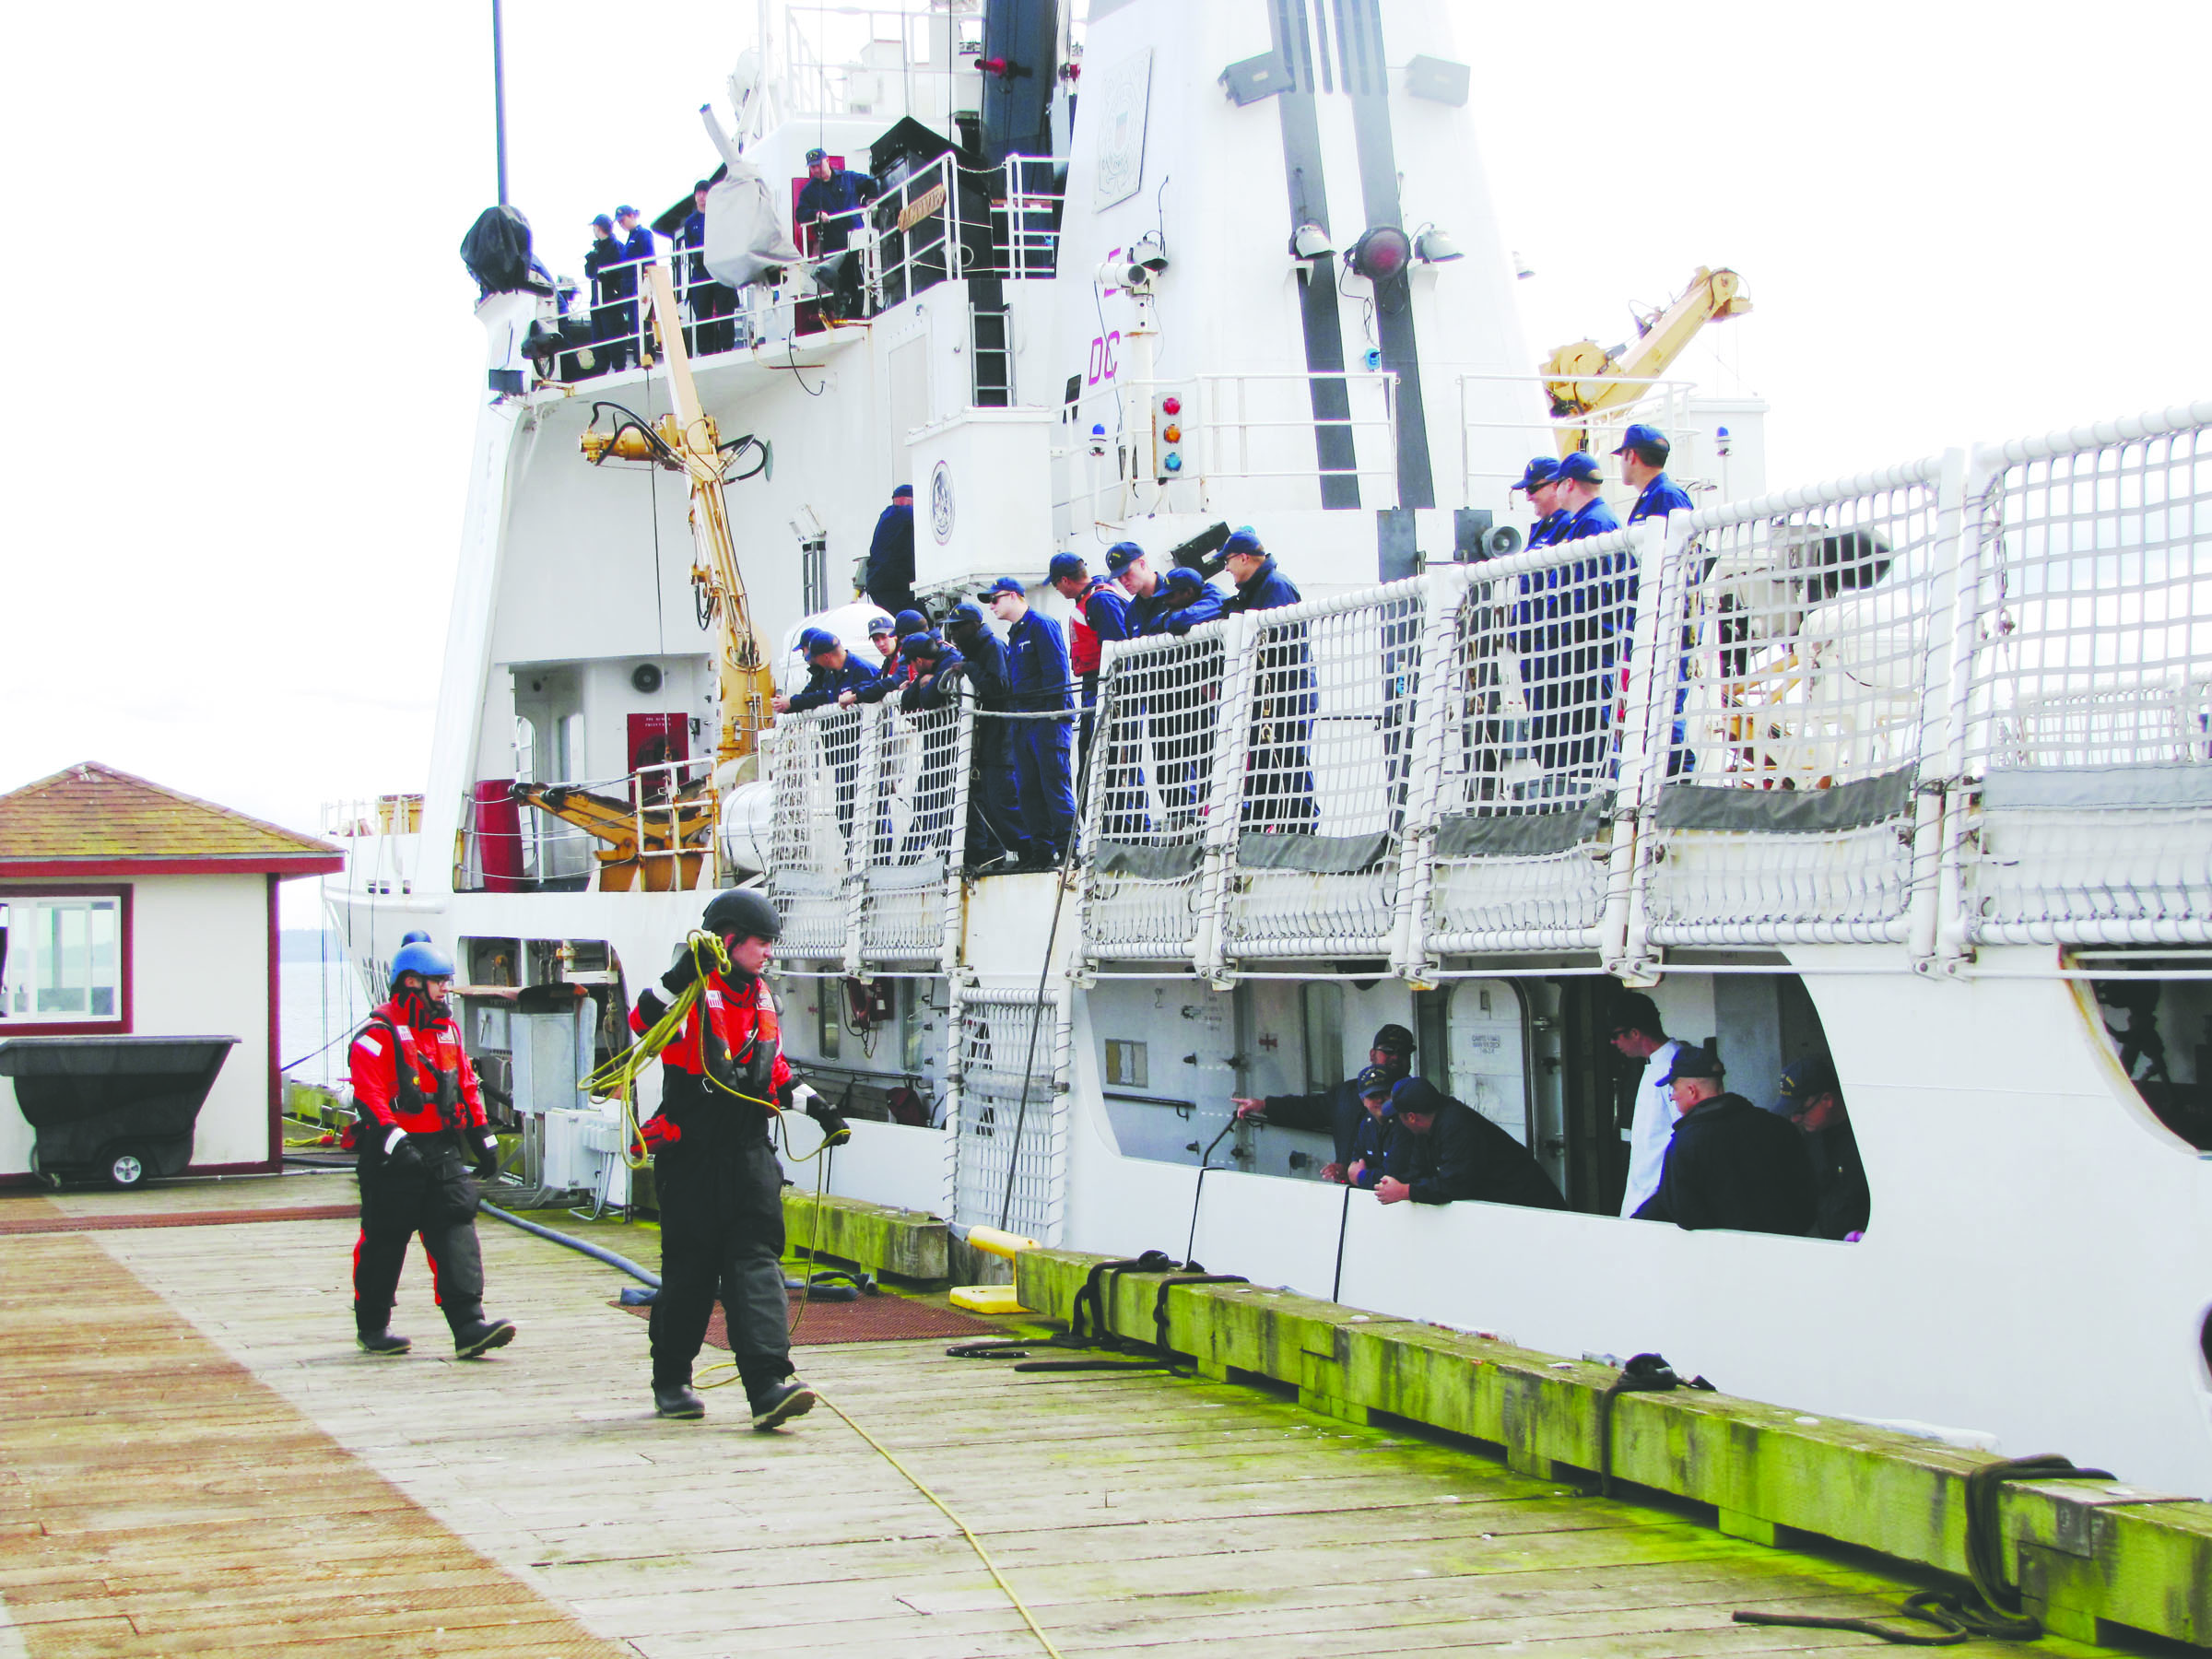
<point>246,371</point>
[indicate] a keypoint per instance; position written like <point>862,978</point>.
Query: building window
<point>62,959</point>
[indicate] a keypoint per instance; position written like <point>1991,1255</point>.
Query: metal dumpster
<point>118,1109</point>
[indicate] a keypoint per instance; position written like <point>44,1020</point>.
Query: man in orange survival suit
<point>422,1126</point>
<point>721,1188</point>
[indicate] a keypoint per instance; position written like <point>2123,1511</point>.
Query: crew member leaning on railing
<point>1571,629</point>
<point>834,676</point>
<point>1037,671</point>
<point>995,831</point>
<point>1339,1111</point>
<point>1278,779</point>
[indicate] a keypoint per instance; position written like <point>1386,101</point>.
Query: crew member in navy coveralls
<point>1101,613</point>
<point>1132,571</point>
<point>932,673</point>
<point>828,203</point>
<point>1373,1137</point>
<point>833,675</point>
<point>720,1187</point>
<point>1278,787</point>
<point>638,252</point>
<point>1540,482</point>
<point>1571,628</point>
<point>1338,1112</point>
<point>994,830</point>
<point>1643,451</point>
<point>712,302</point>
<point>1037,668</point>
<point>1730,1164</point>
<point>890,578</point>
<point>421,1129</point>
<point>613,321</point>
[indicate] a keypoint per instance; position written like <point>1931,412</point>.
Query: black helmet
<point>744,911</point>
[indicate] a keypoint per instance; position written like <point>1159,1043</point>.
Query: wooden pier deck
<point>196,1460</point>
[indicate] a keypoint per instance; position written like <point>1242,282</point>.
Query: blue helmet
<point>413,936</point>
<point>423,958</point>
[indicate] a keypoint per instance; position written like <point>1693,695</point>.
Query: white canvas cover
<point>745,228</point>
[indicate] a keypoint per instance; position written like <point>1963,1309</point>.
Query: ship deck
<point>195,1459</point>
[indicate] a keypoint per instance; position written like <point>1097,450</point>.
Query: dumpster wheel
<point>125,1167</point>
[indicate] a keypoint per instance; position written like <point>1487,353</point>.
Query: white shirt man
<point>1637,1033</point>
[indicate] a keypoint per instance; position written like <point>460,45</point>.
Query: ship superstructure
<point>1909,771</point>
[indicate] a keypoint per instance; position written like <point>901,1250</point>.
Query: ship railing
<point>908,830</point>
<point>2084,701</point>
<point>1801,644</point>
<point>919,237</point>
<point>1007,1104</point>
<point>1247,443</point>
<point>1148,785</point>
<point>1317,761</point>
<point>876,61</point>
<point>665,800</point>
<point>812,760</point>
<point>382,835</point>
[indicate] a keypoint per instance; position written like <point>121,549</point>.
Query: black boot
<point>676,1400</point>
<point>382,1343</point>
<point>779,1401</point>
<point>473,1338</point>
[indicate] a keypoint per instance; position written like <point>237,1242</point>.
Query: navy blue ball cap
<point>1801,1082</point>
<point>1375,1082</point>
<point>1539,472</point>
<point>1183,576</point>
<point>600,221</point>
<point>1066,567</point>
<point>916,645</point>
<point>1005,584</point>
<point>818,642</point>
<point>904,490</point>
<point>699,184</point>
<point>816,155</point>
<point>1692,1061</point>
<point>1121,555</point>
<point>1243,539</point>
<point>966,613</point>
<point>1583,465</point>
<point>1640,434</point>
<point>626,211</point>
<point>909,622</point>
<point>878,624</point>
<point>1416,1094</point>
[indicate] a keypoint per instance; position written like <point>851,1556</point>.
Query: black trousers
<point>721,1238</point>
<point>439,1201</point>
<point>712,308</point>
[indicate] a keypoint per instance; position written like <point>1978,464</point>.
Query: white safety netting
<point>1010,1143</point>
<point>2088,700</point>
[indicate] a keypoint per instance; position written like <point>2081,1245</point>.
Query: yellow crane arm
<point>615,821</point>
<point>1582,378</point>
<point>744,682</point>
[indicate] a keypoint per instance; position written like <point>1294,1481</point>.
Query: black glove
<point>678,978</point>
<point>488,1153</point>
<point>400,1155</point>
<point>835,1130</point>
<point>651,1008</point>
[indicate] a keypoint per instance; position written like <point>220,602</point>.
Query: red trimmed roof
<point>91,818</point>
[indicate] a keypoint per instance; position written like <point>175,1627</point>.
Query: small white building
<point>133,909</point>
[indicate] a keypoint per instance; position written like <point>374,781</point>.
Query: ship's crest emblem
<point>940,503</point>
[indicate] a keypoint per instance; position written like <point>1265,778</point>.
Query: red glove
<point>655,1132</point>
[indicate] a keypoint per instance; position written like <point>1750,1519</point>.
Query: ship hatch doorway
<point>2160,1032</point>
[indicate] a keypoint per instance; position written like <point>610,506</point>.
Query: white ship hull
<point>2037,1268</point>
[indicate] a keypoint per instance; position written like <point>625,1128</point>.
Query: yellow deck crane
<point>1584,378</point>
<point>667,837</point>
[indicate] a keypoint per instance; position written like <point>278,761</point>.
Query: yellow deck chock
<point>993,1298</point>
